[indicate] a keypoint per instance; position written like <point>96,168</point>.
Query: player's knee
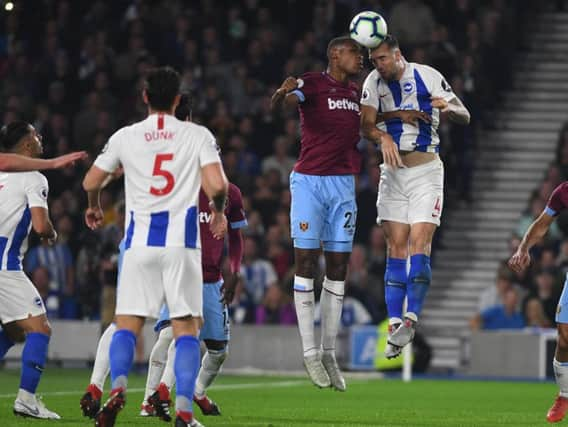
<point>306,267</point>
<point>336,272</point>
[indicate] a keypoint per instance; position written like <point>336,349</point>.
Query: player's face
<point>385,60</point>
<point>36,147</point>
<point>351,58</point>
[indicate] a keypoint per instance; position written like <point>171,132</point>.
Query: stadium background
<point>74,69</point>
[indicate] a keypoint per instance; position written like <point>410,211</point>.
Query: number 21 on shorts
<point>164,173</point>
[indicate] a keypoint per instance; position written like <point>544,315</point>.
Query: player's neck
<point>151,111</point>
<point>338,75</point>
<point>401,68</point>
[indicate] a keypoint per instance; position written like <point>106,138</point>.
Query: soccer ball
<point>368,29</point>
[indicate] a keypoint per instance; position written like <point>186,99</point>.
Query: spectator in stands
<point>495,294</point>
<point>501,316</point>
<point>534,314</point>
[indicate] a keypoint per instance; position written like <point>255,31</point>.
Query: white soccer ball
<point>368,29</point>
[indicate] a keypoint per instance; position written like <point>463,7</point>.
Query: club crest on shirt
<point>304,226</point>
<point>408,87</point>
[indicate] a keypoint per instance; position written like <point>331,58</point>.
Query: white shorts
<point>411,195</point>
<point>19,298</point>
<point>151,276</point>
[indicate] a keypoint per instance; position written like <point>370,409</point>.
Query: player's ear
<point>145,97</point>
<point>176,101</point>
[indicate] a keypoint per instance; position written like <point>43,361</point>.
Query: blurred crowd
<point>530,299</point>
<point>74,69</point>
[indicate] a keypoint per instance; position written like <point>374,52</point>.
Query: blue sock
<point>34,356</point>
<point>122,349</point>
<point>419,280</point>
<point>186,367</point>
<point>5,344</point>
<point>395,286</point>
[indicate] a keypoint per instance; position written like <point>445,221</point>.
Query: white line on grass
<point>221,387</point>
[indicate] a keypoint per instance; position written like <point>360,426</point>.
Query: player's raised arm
<point>537,230</point>
<point>383,139</point>
<point>457,112</point>
<point>284,95</point>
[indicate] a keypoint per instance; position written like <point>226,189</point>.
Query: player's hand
<point>289,85</point>
<point>519,261</point>
<point>68,159</point>
<point>229,287</point>
<point>390,152</point>
<point>94,217</point>
<point>440,103</point>
<point>412,117</point>
<point>50,240</point>
<point>218,225</point>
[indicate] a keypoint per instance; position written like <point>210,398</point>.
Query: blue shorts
<point>562,309</point>
<point>216,324</point>
<point>323,210</point>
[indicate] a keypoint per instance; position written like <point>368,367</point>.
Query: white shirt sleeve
<point>109,157</point>
<point>438,86</point>
<point>370,93</point>
<point>208,153</point>
<point>37,189</point>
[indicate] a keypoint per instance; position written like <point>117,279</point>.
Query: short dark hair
<point>391,41</point>
<point>339,41</point>
<point>183,110</point>
<point>12,134</point>
<point>162,86</point>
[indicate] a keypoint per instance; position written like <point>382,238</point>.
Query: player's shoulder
<point>195,129</point>
<point>310,78</point>
<point>562,188</point>
<point>373,76</point>
<point>426,71</point>
<point>32,176</point>
<point>234,191</point>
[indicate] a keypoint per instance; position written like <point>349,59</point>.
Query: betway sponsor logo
<point>204,217</point>
<point>342,104</point>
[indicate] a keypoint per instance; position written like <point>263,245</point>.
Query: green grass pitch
<point>293,401</point>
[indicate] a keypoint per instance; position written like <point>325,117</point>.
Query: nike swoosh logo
<point>33,411</point>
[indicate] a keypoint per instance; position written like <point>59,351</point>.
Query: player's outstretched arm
<point>16,163</point>
<point>521,259</point>
<point>383,139</point>
<point>42,224</point>
<point>282,95</point>
<point>455,109</point>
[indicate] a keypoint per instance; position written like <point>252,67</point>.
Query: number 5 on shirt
<point>159,171</point>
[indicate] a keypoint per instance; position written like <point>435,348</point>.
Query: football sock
<point>169,376</point>
<point>304,300</point>
<point>186,366</point>
<point>34,356</point>
<point>210,367</point>
<point>101,368</point>
<point>561,375</point>
<point>419,279</point>
<point>5,343</point>
<point>157,361</point>
<point>395,288</point>
<point>122,349</point>
<point>331,304</point>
